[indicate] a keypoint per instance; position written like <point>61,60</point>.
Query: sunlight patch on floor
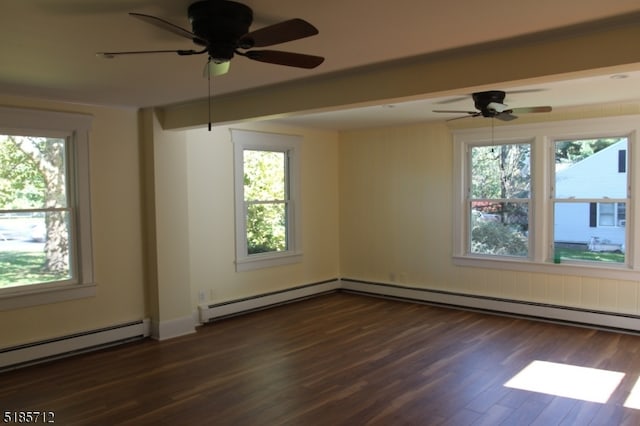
<point>570,381</point>
<point>633,400</point>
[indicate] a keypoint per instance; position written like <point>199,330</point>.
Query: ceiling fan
<point>491,104</point>
<point>220,28</point>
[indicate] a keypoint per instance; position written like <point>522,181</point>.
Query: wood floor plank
<point>555,412</point>
<point>495,415</point>
<point>338,359</point>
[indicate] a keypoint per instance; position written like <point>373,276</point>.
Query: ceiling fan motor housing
<point>483,99</point>
<point>221,23</point>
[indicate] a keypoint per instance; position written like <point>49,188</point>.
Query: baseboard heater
<point>33,353</point>
<point>625,323</point>
<point>50,349</point>
<point>216,311</point>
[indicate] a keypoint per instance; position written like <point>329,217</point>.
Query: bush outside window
<point>499,200</point>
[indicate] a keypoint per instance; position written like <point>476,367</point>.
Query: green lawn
<point>577,254</point>
<point>19,268</point>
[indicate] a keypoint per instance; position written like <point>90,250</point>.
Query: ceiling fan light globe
<point>213,68</point>
<point>497,107</point>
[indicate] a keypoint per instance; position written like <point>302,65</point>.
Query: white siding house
<point>597,184</point>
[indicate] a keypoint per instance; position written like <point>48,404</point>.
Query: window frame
<point>75,129</point>
<point>275,142</point>
<point>541,225</point>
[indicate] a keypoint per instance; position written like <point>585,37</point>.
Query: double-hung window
<point>590,197</point>
<point>548,196</point>
<point>267,200</point>
<point>45,230</point>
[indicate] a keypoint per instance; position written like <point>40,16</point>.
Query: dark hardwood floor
<point>338,359</point>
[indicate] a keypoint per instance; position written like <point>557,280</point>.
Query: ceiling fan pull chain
<point>493,123</point>
<point>209,85</point>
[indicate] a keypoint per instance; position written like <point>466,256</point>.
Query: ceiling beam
<point>592,46</point>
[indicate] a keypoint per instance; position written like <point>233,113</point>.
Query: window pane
<point>500,171</point>
<point>577,236</point>
<point>591,168</point>
<point>500,228</point>
<point>606,214</point>
<point>621,210</point>
<point>266,227</point>
<point>34,248</point>
<point>32,173</point>
<point>264,175</point>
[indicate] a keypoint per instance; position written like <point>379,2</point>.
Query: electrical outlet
<point>201,296</point>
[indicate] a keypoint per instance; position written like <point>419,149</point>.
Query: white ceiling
<point>600,90</point>
<point>48,49</point>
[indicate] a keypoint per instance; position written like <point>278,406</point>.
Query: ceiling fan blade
<point>168,26</point>
<point>525,110</point>
<point>505,116</point>
<point>284,58</point>
<point>475,114</point>
<point>293,29</point>
<point>110,55</point>
<point>448,111</point>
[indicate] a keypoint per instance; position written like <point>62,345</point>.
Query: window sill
<point>268,260</point>
<point>33,297</point>
<point>610,271</point>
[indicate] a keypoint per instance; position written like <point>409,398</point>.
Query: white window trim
<point>542,209</point>
<point>76,128</point>
<point>253,140</point>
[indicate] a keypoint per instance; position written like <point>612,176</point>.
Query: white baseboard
<point>173,328</point>
<point>539,311</point>
<point>209,312</point>
<point>32,353</point>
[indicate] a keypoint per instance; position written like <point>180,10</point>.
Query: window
<point>548,196</point>
<point>499,201</point>
<point>590,199</point>
<point>607,214</point>
<point>267,207</point>
<point>45,232</point>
